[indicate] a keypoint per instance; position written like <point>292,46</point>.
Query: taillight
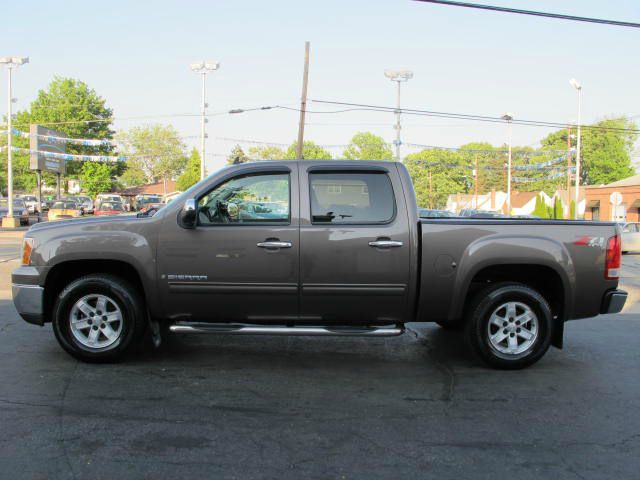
<point>613,258</point>
<point>27,248</point>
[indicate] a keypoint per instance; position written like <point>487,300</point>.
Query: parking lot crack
<point>449,386</point>
<point>61,415</point>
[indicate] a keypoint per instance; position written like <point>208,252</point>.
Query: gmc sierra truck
<point>314,248</point>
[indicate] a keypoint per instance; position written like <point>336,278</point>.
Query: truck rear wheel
<point>97,318</point>
<point>509,326</point>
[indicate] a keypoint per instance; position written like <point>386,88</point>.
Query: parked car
<point>433,213</point>
<point>20,210</point>
<point>146,202</point>
<point>86,203</point>
<point>65,209</point>
<point>630,237</point>
<point>31,202</point>
<point>109,208</point>
<point>347,255</point>
<point>107,197</point>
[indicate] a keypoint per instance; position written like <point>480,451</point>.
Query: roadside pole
<point>475,196</point>
<point>11,63</point>
<point>430,190</point>
<point>39,194</point>
<point>303,103</point>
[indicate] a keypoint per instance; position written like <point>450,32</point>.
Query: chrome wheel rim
<point>96,321</point>
<point>512,328</point>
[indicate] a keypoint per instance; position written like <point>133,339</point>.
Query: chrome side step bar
<point>235,329</point>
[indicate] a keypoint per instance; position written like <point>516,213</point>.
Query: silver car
<point>31,202</point>
<point>20,210</point>
<point>630,237</point>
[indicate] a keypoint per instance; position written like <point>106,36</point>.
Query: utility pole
<point>398,76</point>
<point>575,84</point>
<point>430,190</point>
<point>509,118</point>
<point>303,102</point>
<point>203,68</point>
<point>568,160</point>
<point>11,63</point>
<point>476,183</point>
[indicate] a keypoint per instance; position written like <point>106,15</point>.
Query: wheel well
<point>64,273</point>
<point>543,279</point>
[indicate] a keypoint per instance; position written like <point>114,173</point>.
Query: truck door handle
<point>385,244</point>
<point>274,244</point>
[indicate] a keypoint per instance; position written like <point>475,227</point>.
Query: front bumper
<point>613,301</point>
<point>28,301</point>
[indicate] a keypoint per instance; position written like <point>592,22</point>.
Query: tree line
<point>157,153</point>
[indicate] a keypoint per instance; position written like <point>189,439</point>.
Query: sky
<point>136,54</point>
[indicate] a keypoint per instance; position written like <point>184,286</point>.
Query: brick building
<point>601,207</point>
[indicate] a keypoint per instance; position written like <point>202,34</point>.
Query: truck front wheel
<point>97,318</point>
<point>509,326</point>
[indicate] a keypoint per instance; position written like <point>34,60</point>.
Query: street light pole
<point>203,68</point>
<point>509,117</point>
<point>398,76</point>
<point>575,84</point>
<point>11,63</point>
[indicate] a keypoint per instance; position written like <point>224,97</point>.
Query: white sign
<point>615,198</point>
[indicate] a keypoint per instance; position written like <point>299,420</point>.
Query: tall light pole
<point>509,118</point>
<point>11,63</point>
<point>398,76</point>
<point>203,68</point>
<point>575,84</point>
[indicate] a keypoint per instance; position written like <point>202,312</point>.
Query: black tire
<point>478,316</point>
<point>124,295</point>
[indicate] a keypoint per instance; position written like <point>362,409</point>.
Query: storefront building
<point>618,201</point>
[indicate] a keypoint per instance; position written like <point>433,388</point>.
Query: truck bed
<point>458,256</point>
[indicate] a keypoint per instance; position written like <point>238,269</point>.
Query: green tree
<point>310,151</point>
<point>541,210</point>
<point>237,156</point>
<point>69,106</point>
<point>157,150</point>
<point>191,174</point>
<point>132,177</point>
<point>558,209</point>
<point>436,174</point>
<point>367,146</point>
<point>606,154</point>
<point>268,152</point>
<point>95,178</point>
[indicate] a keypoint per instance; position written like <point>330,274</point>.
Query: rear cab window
<point>358,197</point>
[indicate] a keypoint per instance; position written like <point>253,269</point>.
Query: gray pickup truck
<point>314,248</point>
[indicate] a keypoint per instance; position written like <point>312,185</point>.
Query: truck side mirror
<point>188,215</point>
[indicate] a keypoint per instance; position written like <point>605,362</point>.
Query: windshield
<point>151,200</point>
<point>17,202</point>
<point>111,206</point>
<point>64,206</point>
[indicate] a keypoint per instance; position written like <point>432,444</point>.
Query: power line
<point>151,117</point>
<point>463,116</point>
<point>557,16</point>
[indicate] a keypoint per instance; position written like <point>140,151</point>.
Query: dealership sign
<point>40,145</point>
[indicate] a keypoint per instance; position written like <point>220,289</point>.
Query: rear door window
<point>351,198</point>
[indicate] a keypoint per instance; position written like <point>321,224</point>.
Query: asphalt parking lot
<point>415,406</point>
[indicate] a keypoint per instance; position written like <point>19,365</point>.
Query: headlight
<point>27,247</point>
